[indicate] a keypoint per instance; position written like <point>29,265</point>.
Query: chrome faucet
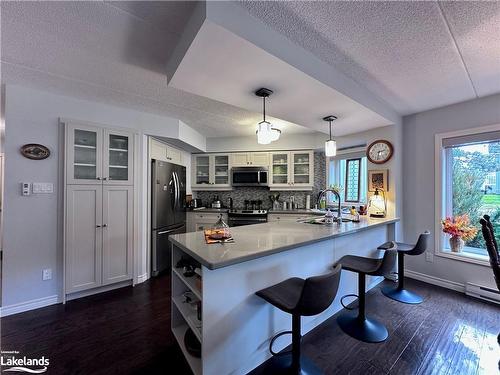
<point>337,195</point>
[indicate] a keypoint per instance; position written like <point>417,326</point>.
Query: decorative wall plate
<point>35,151</point>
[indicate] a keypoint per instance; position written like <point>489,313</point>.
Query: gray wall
<point>418,176</point>
<point>32,225</point>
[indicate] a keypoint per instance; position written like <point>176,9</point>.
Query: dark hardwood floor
<point>128,332</point>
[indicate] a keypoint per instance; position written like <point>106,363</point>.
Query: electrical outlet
<point>429,256</point>
<point>47,274</point>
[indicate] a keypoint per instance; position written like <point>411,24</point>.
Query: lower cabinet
<point>197,221</point>
<point>99,236</point>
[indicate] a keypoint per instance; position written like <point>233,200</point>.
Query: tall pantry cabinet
<point>99,207</point>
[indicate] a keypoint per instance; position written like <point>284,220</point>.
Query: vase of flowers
<point>460,230</point>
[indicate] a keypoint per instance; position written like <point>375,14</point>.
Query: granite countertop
<point>259,240</point>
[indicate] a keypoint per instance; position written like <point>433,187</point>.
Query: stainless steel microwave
<point>249,176</point>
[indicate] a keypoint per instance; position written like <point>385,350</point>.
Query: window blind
<point>471,139</point>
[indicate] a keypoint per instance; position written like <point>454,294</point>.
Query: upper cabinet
<point>95,155</point>
<point>246,159</point>
<point>211,172</point>
<point>161,151</point>
<point>292,170</point>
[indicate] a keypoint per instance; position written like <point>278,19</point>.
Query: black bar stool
<point>400,293</point>
<point>299,297</point>
<point>360,327</point>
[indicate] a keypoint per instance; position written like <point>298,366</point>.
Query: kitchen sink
<point>321,221</point>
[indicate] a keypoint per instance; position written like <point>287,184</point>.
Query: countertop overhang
<point>259,240</point>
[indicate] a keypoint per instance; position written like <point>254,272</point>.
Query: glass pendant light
<point>265,132</point>
<point>331,144</point>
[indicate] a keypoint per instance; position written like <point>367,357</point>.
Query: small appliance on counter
<point>195,203</point>
<point>216,203</point>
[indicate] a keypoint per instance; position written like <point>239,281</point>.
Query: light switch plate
<point>25,188</point>
<point>43,188</point>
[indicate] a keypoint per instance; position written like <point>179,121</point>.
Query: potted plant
<point>460,230</point>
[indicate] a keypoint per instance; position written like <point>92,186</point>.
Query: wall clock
<point>380,151</point>
<point>35,151</point>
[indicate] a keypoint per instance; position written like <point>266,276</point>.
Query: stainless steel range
<point>238,218</point>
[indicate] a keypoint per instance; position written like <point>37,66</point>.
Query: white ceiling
<point>116,52</point>
<point>414,55</point>
<point>297,97</point>
<point>111,52</point>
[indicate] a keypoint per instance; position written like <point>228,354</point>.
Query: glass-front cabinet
<point>118,158</point>
<point>279,169</point>
<point>292,170</point>
<point>303,170</point>
<point>211,171</point>
<point>95,155</point>
<point>202,170</point>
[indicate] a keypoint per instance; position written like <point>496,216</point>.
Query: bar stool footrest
<point>347,306</point>
<point>402,295</point>
<point>274,339</point>
<point>367,330</point>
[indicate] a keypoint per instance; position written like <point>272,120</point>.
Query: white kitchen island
<point>236,324</point>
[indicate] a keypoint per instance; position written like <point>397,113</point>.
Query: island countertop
<point>259,240</point>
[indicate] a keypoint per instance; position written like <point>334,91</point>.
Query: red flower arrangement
<point>459,226</point>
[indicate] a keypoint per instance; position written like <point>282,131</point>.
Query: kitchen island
<point>237,325</point>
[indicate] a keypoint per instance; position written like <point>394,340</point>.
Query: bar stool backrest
<point>421,245</point>
<point>492,247</point>
<point>319,292</point>
<point>387,264</point>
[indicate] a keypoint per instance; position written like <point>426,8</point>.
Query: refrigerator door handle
<point>177,188</point>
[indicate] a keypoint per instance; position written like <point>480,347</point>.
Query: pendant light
<point>331,144</point>
<point>265,132</point>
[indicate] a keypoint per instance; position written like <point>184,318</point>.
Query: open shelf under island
<point>237,325</point>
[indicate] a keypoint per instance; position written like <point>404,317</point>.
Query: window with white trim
<point>349,173</point>
<point>470,172</point>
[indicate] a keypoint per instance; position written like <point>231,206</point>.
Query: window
<point>470,171</point>
<point>349,172</point>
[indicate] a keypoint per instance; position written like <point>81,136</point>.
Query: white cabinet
<point>161,151</point>
<point>99,204</point>
<point>292,170</point>
<point>245,159</point>
<point>117,234</point>
<point>95,155</point>
<point>83,256</point>
<point>198,221</point>
<point>211,172</point>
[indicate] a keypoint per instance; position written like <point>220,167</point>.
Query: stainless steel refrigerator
<point>168,211</point>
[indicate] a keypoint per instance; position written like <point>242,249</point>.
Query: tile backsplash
<point>240,194</point>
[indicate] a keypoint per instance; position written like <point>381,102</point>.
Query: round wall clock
<point>35,151</point>
<point>380,151</point>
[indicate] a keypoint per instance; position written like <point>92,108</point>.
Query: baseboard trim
<point>29,305</point>
<point>142,278</point>
<point>435,281</point>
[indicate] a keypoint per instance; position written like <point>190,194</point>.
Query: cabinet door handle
<point>105,225</point>
<point>97,226</point>
<point>98,178</point>
<point>104,178</point>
